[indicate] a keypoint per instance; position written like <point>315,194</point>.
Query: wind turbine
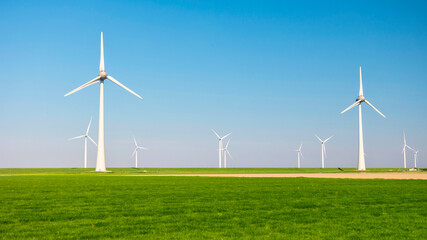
<point>226,152</point>
<point>323,149</point>
<point>300,155</point>
<point>359,101</point>
<point>135,152</point>
<point>86,136</point>
<point>220,146</point>
<point>404,150</point>
<point>100,160</point>
<point>415,157</point>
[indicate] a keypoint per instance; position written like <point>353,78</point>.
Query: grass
<point>150,171</point>
<point>88,206</point>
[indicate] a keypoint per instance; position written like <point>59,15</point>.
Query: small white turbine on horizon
<point>100,159</point>
<point>359,101</point>
<point>415,156</point>
<point>86,136</point>
<point>220,146</point>
<point>323,149</point>
<point>135,152</point>
<point>404,150</point>
<point>226,152</point>
<point>299,155</point>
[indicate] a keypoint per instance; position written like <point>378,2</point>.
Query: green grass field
<point>60,204</point>
<point>150,171</point>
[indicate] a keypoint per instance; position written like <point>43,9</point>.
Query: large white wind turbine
<point>100,160</point>
<point>135,152</point>
<point>300,155</point>
<point>359,101</point>
<point>226,152</point>
<point>86,136</point>
<point>220,146</point>
<point>323,149</point>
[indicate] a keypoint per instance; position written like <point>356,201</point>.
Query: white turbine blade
<point>134,140</point>
<point>88,127</point>
<point>92,140</point>
<point>216,134</point>
<point>134,151</point>
<point>372,106</point>
<point>226,146</point>
<point>226,135</point>
<point>328,138</point>
<point>404,139</point>
<point>301,155</point>
<point>351,106</point>
<point>123,86</point>
<point>143,148</point>
<point>411,148</point>
<point>318,138</point>
<point>361,87</point>
<point>228,153</point>
<point>84,85</point>
<point>101,62</point>
<point>300,146</point>
<point>82,136</point>
<point>324,149</point>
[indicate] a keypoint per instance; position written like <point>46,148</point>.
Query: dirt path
<point>422,176</point>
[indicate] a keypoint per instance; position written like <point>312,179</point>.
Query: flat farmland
<point>61,205</point>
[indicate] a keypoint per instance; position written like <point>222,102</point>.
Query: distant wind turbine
<point>300,155</point>
<point>323,149</point>
<point>135,152</point>
<point>226,152</point>
<point>404,150</point>
<point>415,157</point>
<point>100,160</point>
<point>220,146</point>
<point>86,136</point>
<point>359,101</point>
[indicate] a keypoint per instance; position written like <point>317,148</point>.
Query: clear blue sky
<point>273,73</point>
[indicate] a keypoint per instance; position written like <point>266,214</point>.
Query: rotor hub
<point>360,98</point>
<point>103,75</point>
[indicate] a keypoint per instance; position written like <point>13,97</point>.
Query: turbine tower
<point>86,136</point>
<point>404,150</point>
<point>359,101</point>
<point>226,152</point>
<point>300,155</point>
<point>220,146</point>
<point>135,152</point>
<point>323,149</point>
<point>100,160</point>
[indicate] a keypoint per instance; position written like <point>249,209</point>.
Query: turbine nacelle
<point>361,98</point>
<point>103,75</point>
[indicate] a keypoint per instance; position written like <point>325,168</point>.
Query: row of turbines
<point>405,146</point>
<point>223,151</point>
<point>86,137</point>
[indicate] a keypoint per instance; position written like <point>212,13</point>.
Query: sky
<point>274,73</point>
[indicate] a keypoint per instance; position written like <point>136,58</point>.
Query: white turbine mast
<point>359,101</point>
<point>100,160</point>
<point>135,152</point>
<point>323,148</point>
<point>299,155</point>
<point>86,136</point>
<point>226,152</point>
<point>220,146</point>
